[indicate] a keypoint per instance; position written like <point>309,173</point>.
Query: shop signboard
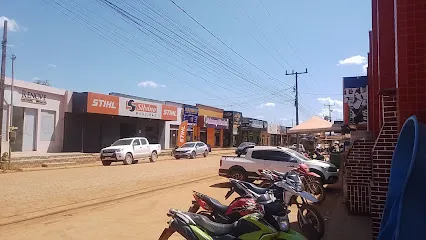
<point>138,108</point>
<point>283,130</point>
<point>234,117</point>
<point>217,123</point>
<point>273,128</point>
<point>190,114</point>
<point>257,123</point>
<point>169,113</point>
<point>237,118</point>
<point>355,100</point>
<point>33,97</point>
<point>102,104</point>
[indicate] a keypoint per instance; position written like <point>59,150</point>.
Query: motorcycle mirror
<point>229,193</point>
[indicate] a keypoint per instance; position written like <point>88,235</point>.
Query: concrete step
<point>58,164</point>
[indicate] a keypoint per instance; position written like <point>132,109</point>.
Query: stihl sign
<point>169,113</point>
<point>103,103</point>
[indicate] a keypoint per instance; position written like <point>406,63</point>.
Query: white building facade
<point>37,117</point>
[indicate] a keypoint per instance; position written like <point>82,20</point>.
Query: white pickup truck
<point>273,158</point>
<point>129,151</point>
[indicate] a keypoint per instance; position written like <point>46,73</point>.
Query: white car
<point>130,150</point>
<point>191,150</point>
<point>273,158</point>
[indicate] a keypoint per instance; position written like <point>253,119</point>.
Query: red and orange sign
<point>181,137</point>
<point>169,113</point>
<point>102,104</point>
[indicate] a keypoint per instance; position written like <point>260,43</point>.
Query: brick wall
<point>358,176</point>
<point>381,159</point>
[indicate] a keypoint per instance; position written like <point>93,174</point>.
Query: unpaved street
<point>30,194</point>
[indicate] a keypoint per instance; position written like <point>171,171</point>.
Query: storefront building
<point>231,135</point>
<point>274,132</point>
<point>97,120</point>
<point>210,125</point>
<point>254,130</point>
<point>190,114</point>
<point>173,117</point>
<point>37,117</point>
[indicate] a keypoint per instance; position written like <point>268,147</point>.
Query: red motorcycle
<point>218,212</point>
<point>311,181</point>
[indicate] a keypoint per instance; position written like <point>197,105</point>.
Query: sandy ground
<point>142,216</point>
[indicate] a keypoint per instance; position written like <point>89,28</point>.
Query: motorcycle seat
<point>256,189</point>
<point>213,228</point>
<point>215,204</point>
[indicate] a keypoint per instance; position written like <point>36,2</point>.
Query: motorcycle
<point>288,187</point>
<point>193,226</point>
<point>310,180</point>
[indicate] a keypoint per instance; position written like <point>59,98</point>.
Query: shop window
<point>47,126</point>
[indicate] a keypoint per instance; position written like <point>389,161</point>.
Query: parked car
<point>273,158</point>
<point>192,150</point>
<point>129,151</point>
<point>242,148</point>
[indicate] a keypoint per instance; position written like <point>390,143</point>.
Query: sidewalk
<point>33,161</point>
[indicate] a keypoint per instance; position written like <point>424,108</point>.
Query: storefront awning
<point>313,125</point>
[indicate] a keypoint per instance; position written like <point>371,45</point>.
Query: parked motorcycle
<point>310,180</point>
<point>288,187</point>
<point>253,226</point>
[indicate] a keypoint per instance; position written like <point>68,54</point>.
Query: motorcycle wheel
<point>314,226</point>
<point>317,190</point>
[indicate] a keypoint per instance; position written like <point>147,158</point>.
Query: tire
<point>128,159</point>
<point>193,155</point>
<point>177,157</point>
<point>238,174</point>
<point>206,153</point>
<point>314,228</point>
<point>153,157</point>
<point>106,163</point>
<point>317,190</point>
<point>135,162</point>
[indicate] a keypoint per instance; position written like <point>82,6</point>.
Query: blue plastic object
<point>404,216</point>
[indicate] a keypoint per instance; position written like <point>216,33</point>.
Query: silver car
<point>192,150</point>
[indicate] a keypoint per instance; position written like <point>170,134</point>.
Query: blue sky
<point>97,50</point>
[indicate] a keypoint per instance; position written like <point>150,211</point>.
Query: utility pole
<point>296,101</point>
<point>329,110</point>
<point>2,78</point>
<point>11,128</point>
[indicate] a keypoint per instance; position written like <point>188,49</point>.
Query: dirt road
<point>30,194</point>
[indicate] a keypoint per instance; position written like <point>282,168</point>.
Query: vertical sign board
<point>355,100</point>
<point>181,137</point>
<point>190,114</point>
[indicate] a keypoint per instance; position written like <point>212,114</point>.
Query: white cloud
<point>12,25</point>
<point>354,60</point>
<point>330,101</point>
<point>150,84</point>
<point>259,117</point>
<point>36,78</point>
<point>51,65</point>
<point>364,68</point>
<point>336,110</point>
<point>267,105</point>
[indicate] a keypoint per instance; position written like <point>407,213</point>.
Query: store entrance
<point>127,130</point>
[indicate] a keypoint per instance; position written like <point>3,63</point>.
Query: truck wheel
<point>193,155</point>
<point>238,174</point>
<point>106,163</point>
<point>128,159</point>
<point>206,153</point>
<point>153,157</point>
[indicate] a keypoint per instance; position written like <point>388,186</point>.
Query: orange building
<point>210,125</point>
